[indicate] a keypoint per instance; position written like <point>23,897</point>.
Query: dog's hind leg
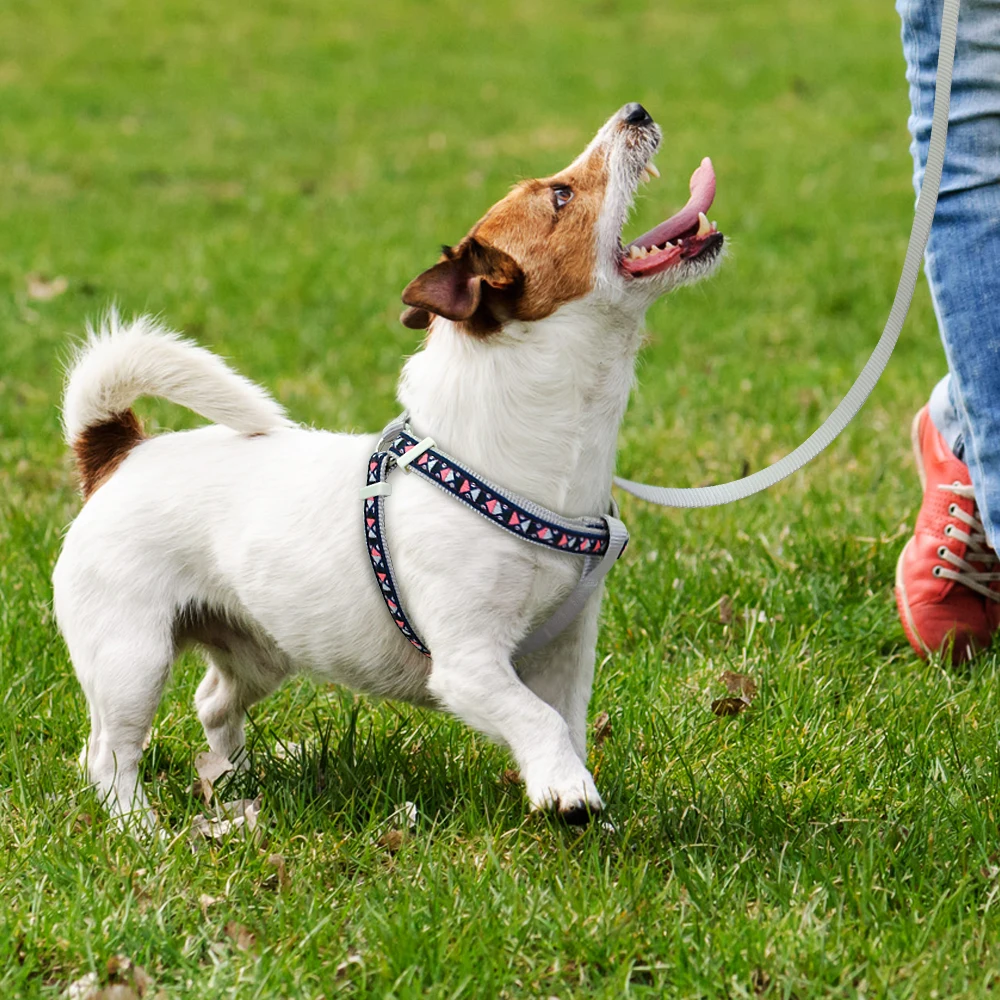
<point>122,674</point>
<point>236,678</point>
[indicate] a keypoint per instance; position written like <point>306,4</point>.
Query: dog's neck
<point>535,407</point>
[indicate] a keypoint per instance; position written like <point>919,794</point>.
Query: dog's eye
<point>562,195</point>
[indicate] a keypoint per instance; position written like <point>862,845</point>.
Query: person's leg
<point>963,255</point>
<point>945,583</point>
<point>943,411</point>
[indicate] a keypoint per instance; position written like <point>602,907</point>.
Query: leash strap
<point>599,540</point>
<point>713,496</point>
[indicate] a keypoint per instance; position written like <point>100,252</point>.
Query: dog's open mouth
<point>685,236</point>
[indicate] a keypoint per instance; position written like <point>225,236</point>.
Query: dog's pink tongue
<point>702,196</point>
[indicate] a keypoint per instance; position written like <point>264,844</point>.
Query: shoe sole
<point>919,647</point>
<point>909,627</point>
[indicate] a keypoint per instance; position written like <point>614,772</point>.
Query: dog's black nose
<point>636,114</point>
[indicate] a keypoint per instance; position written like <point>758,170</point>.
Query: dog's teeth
<point>644,177</point>
<point>633,252</point>
<point>651,167</point>
<point>704,226</point>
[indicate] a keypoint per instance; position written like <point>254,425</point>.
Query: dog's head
<point>558,239</point>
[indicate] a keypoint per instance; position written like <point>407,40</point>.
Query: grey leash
<point>713,496</point>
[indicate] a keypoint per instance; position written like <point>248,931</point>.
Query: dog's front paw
<point>571,795</point>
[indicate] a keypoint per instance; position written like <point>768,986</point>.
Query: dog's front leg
<point>562,674</point>
<point>482,688</point>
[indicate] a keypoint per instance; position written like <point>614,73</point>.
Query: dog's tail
<point>119,362</point>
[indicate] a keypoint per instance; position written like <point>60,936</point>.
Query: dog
<point>245,539</point>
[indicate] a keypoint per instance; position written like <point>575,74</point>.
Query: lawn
<point>268,177</point>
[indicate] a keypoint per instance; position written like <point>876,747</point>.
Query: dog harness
<point>599,541</point>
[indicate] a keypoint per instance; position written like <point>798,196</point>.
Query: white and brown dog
<point>245,537</point>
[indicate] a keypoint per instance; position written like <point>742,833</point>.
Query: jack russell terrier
<point>246,537</point>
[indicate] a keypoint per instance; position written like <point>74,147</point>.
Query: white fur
<point>266,531</point>
<point>119,363</point>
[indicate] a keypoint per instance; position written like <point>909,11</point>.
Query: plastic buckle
<point>411,455</point>
<point>382,489</point>
<point>401,423</point>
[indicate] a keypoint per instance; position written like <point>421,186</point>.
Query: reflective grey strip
<point>713,496</point>
<point>595,568</point>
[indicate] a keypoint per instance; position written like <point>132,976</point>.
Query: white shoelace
<point>977,548</point>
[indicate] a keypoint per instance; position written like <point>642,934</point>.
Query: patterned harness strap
<point>600,540</point>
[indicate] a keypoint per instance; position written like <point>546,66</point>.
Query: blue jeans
<point>963,256</point>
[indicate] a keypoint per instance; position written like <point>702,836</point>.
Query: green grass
<point>268,177</point>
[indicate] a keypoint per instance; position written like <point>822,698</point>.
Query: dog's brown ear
<point>415,319</point>
<point>447,289</point>
<point>453,288</point>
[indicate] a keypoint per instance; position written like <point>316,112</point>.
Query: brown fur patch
<point>544,256</point>
<point>100,449</point>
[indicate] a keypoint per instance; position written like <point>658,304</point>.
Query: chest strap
<point>599,541</point>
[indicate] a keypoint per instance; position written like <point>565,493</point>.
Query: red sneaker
<point>945,571</point>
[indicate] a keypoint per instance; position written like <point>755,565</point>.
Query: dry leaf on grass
<point>726,610</point>
<point>115,991</point>
<point>410,812</point>
<point>242,937</point>
<point>512,776</point>
<point>83,988</point>
<point>353,958</point>
<point>210,767</point>
<point>739,684</point>
<point>287,750</point>
<point>236,817</point>
<point>42,289</point>
<point>122,970</point>
<point>728,706</point>
<point>742,690</point>
<point>203,790</point>
<point>405,818</point>
<point>392,840</point>
<point>278,860</point>
<point>760,981</point>
<point>125,981</point>
<point>602,728</point>
<point>405,815</point>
